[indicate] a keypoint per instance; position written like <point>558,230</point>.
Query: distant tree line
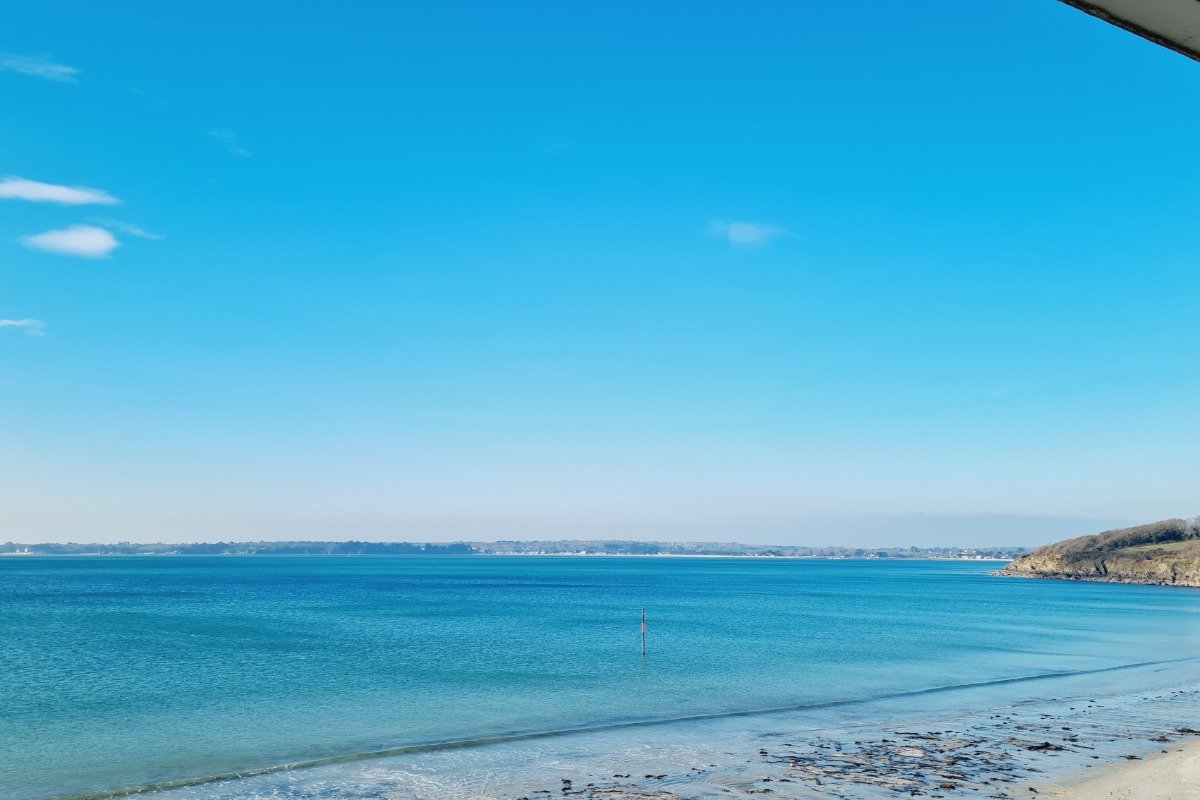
<point>544,547</point>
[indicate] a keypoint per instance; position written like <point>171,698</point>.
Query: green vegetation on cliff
<point>1166,552</point>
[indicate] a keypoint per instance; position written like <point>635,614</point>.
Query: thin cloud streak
<point>85,241</point>
<point>15,188</point>
<point>33,327</point>
<point>749,234</point>
<point>231,142</point>
<point>38,67</point>
<point>131,229</point>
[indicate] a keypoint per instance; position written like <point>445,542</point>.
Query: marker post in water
<point>643,633</point>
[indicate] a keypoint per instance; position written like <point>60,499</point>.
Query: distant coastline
<point>604,547</point>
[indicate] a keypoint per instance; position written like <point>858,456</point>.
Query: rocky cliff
<point>1166,552</point>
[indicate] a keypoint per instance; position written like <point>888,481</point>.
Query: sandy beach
<point>1170,775</point>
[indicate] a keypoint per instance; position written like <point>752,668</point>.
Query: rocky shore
<point>1164,553</point>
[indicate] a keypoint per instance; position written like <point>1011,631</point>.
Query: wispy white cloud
<point>132,230</point>
<point>34,327</point>
<point>16,188</point>
<point>38,67</point>
<point>231,141</point>
<point>750,234</point>
<point>85,241</point>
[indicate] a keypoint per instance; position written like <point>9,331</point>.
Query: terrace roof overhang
<point>1170,23</point>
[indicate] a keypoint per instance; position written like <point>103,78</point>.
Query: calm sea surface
<point>121,671</point>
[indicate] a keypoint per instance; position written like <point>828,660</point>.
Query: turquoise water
<point>120,671</point>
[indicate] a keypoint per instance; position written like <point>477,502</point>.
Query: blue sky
<point>787,272</point>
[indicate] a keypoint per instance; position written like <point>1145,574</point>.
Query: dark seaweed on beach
<point>986,758</point>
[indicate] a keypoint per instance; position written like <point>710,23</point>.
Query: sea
<point>243,677</point>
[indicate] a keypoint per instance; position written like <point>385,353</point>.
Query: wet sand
<point>933,765</point>
<point>1084,749</point>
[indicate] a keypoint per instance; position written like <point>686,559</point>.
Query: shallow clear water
<point>120,671</point>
